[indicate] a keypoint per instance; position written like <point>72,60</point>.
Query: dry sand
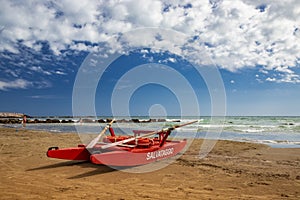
<point>232,170</point>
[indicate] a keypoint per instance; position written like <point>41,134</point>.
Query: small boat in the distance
<point>124,150</point>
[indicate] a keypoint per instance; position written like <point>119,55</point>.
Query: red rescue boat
<point>123,150</point>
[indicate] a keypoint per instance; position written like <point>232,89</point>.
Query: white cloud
<point>173,60</point>
<point>60,72</point>
<point>235,34</point>
<point>44,97</point>
<point>16,84</point>
<point>40,70</point>
<point>285,78</point>
<point>23,84</point>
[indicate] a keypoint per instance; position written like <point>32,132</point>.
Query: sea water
<point>274,131</point>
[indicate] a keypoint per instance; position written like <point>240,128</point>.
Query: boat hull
<point>138,156</point>
<point>73,153</point>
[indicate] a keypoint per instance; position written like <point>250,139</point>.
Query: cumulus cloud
<point>235,34</point>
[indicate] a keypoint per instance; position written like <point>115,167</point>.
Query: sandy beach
<point>232,170</point>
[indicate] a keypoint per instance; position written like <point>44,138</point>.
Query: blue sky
<point>255,46</point>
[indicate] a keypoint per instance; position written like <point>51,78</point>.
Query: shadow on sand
<point>61,164</point>
<point>99,169</point>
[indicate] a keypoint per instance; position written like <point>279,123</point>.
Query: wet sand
<point>232,170</point>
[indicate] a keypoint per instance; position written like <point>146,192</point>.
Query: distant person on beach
<point>24,121</point>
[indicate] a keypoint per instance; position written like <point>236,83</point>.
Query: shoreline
<point>225,135</point>
<point>232,170</point>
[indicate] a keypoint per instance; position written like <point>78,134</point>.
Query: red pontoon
<point>124,150</point>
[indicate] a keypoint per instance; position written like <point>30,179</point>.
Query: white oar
<point>95,140</point>
<point>146,135</point>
